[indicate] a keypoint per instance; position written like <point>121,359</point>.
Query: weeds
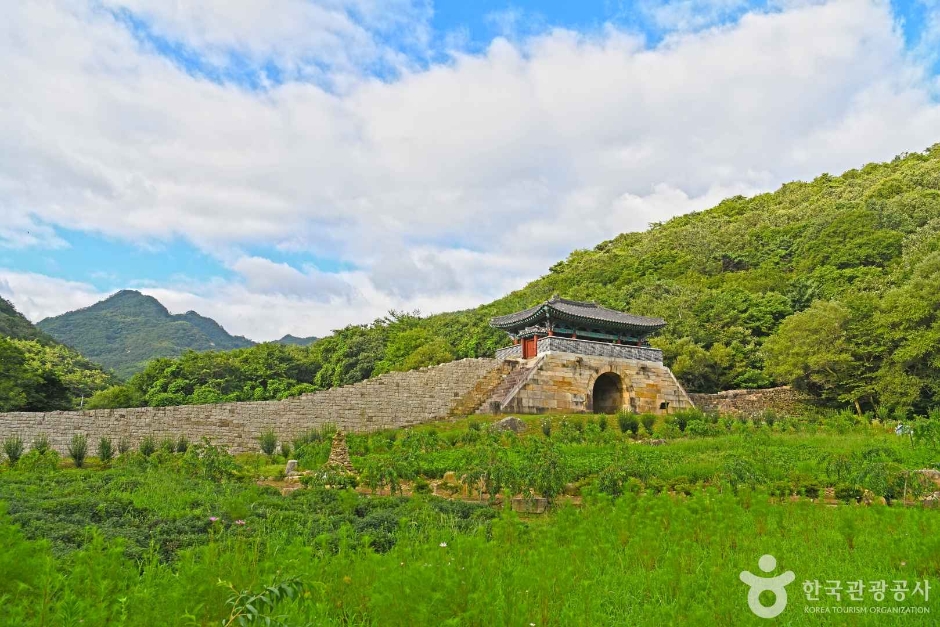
<point>105,450</point>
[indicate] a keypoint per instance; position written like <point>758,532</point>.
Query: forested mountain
<point>37,373</point>
<point>293,340</point>
<point>832,285</point>
<point>16,326</point>
<point>128,329</point>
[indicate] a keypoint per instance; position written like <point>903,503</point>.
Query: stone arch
<point>607,393</point>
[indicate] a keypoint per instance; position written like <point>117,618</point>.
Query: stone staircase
<point>470,402</point>
<point>501,394</point>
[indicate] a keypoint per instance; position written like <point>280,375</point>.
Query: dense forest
<point>831,285</point>
<point>37,373</point>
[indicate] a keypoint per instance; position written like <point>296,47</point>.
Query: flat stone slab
<point>510,423</point>
<point>535,505</point>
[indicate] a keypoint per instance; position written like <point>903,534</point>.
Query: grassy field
<point>638,535</point>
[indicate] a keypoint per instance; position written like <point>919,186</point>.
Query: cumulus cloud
<point>38,296</point>
<point>446,185</point>
<point>267,277</point>
<point>301,38</point>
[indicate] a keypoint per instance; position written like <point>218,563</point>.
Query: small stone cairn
<point>339,453</point>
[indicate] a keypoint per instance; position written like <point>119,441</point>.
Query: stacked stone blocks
<point>394,400</point>
<point>564,383</point>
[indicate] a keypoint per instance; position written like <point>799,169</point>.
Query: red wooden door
<point>530,346</point>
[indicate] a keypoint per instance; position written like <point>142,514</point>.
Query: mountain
<point>292,340</point>
<point>39,374</point>
<point>15,325</point>
<point>128,329</point>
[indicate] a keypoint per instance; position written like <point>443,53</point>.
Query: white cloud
<point>444,187</point>
<point>264,276</point>
<point>299,37</point>
<point>38,296</point>
<point>686,15</point>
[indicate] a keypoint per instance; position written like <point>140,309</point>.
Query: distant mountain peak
<point>293,340</point>
<point>128,329</point>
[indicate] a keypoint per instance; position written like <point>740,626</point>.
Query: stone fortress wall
<point>554,382</point>
<point>748,403</point>
<point>393,400</point>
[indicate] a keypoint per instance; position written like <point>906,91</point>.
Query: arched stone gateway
<point>607,393</point>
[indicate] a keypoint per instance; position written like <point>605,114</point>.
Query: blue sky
<point>296,166</point>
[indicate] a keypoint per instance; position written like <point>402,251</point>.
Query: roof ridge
<point>582,303</point>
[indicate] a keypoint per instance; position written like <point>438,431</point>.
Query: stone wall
<point>564,383</point>
<point>783,400</point>
<point>393,400</point>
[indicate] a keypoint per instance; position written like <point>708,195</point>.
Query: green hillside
<point>831,285</point>
<point>15,325</point>
<point>127,330</point>
<point>37,373</point>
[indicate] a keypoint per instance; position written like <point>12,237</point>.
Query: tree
<point>810,350</point>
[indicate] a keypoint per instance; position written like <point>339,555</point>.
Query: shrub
<point>422,486</point>
<point>124,445</point>
<point>285,450</point>
<point>268,442</point>
<point>78,449</point>
<point>105,450</point>
<point>322,434</point>
<point>330,477</point>
<point>473,425</point>
<point>602,422</point>
<point>167,445</point>
<point>848,493</point>
<point>648,421</point>
<point>810,490</point>
<point>209,461</point>
<point>545,469</point>
<point>41,444</point>
<point>681,420</point>
<point>182,444</point>
<point>35,461</point>
<point>611,480</point>
<point>148,446</point>
<point>13,447</point>
<point>656,485</point>
<point>769,417</point>
<point>668,432</point>
<point>547,428</point>
<point>628,422</point>
<point>381,472</point>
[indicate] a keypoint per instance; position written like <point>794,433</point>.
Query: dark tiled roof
<point>565,309</point>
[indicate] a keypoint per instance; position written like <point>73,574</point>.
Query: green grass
<point>135,543</point>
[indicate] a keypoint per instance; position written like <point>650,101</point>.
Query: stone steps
<point>494,402</point>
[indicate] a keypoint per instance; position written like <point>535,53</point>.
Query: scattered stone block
<point>291,469</point>
<point>931,474</point>
<point>932,501</point>
<point>510,423</point>
<point>535,505</point>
